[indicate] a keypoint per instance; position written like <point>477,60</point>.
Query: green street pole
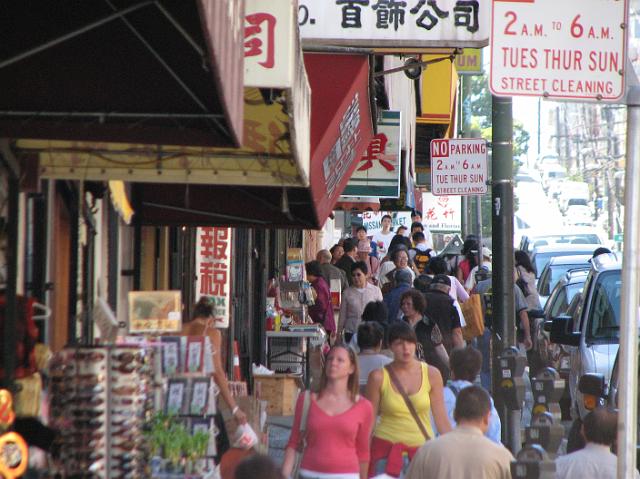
<point>504,334</point>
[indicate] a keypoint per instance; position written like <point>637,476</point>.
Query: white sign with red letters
<point>213,270</point>
<point>442,213</point>
<point>459,166</point>
<point>559,49</point>
<point>270,43</point>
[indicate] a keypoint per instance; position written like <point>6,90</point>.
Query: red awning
<point>341,124</point>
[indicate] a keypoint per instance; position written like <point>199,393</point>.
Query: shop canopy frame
<point>157,58</point>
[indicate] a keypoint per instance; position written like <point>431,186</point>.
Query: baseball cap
<point>403,276</point>
<point>486,252</point>
<point>441,279</point>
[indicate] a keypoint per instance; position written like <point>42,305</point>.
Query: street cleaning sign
<point>559,49</point>
<point>459,166</point>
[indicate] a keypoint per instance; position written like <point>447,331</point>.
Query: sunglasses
<point>128,357</point>
<point>90,356</point>
<point>125,390</point>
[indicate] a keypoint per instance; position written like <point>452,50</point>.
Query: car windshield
<point>605,308</point>
<point>582,238</point>
<point>541,260</point>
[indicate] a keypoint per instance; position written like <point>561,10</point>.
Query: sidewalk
<point>279,429</point>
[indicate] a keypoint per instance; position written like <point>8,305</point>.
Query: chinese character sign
<point>269,39</point>
<point>342,154</point>
<point>213,270</point>
<point>441,213</point>
<point>378,172</point>
<point>395,23</point>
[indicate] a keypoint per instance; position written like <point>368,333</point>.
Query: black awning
<point>121,71</point>
<point>224,205</point>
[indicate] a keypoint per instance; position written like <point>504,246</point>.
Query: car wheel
<point>575,441</point>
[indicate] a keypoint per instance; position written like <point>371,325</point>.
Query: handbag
<point>295,473</point>
<point>412,410</point>
<point>522,284</point>
<point>473,316</point>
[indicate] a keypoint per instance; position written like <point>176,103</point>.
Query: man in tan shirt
<point>464,452</point>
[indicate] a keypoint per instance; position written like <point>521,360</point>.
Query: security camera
<point>414,72</point>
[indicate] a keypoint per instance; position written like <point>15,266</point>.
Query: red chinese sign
<point>376,153</point>
<point>259,36</point>
<point>213,269</point>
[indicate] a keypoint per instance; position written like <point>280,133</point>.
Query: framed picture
<point>170,355</point>
<point>155,312</point>
<point>176,393</point>
<point>200,425</point>
<point>199,400</point>
<point>195,354</point>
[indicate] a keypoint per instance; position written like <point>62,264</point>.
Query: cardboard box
<point>280,391</point>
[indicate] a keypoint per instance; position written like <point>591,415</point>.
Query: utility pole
<point>465,132</point>
<point>504,331</point>
<point>628,353</point>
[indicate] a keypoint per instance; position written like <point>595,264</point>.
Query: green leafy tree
<point>479,107</point>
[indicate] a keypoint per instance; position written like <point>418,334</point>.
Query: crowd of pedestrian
<point>402,392</point>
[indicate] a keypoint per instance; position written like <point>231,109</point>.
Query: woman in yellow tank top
<point>397,433</point>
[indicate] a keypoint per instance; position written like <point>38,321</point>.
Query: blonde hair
<point>353,384</point>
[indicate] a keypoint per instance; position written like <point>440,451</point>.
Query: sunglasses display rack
<point>100,400</point>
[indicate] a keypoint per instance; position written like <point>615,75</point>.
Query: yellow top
<point>396,423</point>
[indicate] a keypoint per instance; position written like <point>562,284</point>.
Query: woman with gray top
<point>355,298</point>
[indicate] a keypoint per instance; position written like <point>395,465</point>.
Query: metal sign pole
<point>628,354</point>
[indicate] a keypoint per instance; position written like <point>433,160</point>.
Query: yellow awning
<point>438,92</point>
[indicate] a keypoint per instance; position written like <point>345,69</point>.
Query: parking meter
<point>511,383</point>
<point>547,389</point>
<point>532,462</point>
<point>546,431</point>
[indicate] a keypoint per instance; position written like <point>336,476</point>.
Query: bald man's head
<point>600,426</point>
<point>323,256</point>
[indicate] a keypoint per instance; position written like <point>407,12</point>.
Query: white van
<point>552,172</point>
<point>574,193</point>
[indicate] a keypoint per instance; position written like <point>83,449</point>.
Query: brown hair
<point>465,363</point>
<point>353,385</point>
<point>401,330</point>
<point>202,309</point>
<point>419,303</point>
<point>472,403</point>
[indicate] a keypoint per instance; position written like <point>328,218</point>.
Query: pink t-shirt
<point>335,444</point>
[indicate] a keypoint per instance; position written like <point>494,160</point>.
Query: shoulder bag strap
<point>306,404</point>
<point>412,410</point>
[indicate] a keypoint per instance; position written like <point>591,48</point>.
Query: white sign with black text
<point>396,24</point>
<point>459,166</point>
<point>559,49</point>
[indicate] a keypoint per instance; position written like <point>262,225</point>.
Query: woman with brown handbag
<point>405,393</point>
<point>335,434</point>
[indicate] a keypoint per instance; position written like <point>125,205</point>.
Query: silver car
<point>593,332</point>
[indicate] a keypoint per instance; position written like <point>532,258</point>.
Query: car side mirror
<point>592,384</point>
<point>561,331</point>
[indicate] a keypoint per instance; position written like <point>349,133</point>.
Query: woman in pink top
<point>338,424</point>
